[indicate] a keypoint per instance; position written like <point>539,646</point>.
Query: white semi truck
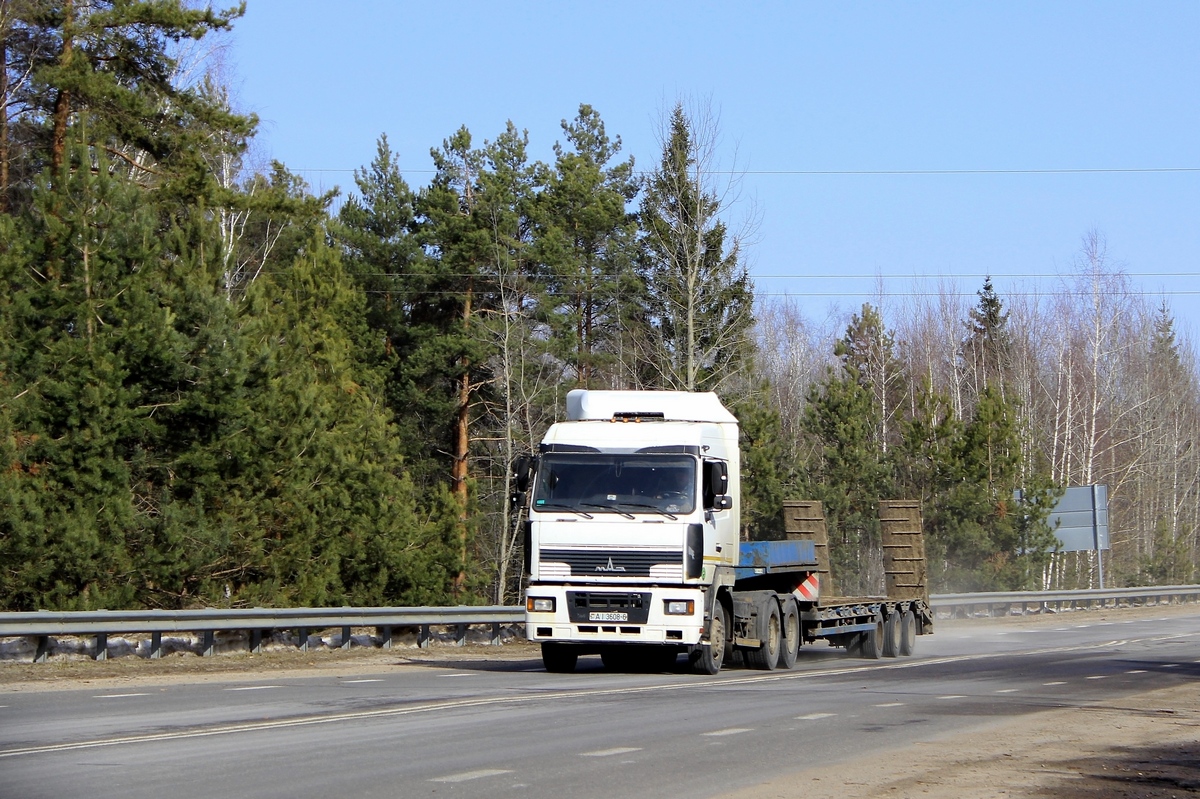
<point>632,547</point>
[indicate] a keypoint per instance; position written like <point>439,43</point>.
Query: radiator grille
<point>600,563</point>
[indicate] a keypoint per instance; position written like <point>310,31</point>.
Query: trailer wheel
<point>708,658</point>
<point>891,635</point>
<point>766,657</point>
<point>908,633</point>
<point>871,642</point>
<point>557,658</point>
<point>791,635</point>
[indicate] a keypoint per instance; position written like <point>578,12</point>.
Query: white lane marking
<point>1170,665</point>
<point>1008,690</point>
<point>1057,682</point>
<point>116,696</point>
<point>727,731</point>
<point>1097,677</point>
<point>815,716</point>
<point>953,696</point>
<point>1138,671</point>
<point>460,674</point>
<point>1082,626</point>
<point>472,775</point>
<point>620,750</point>
<point>508,700</point>
<point>254,688</point>
<point>359,682</point>
<point>891,704</point>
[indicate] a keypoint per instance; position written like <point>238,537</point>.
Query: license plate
<point>608,617</point>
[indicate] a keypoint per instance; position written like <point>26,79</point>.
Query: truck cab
<point>632,516</point>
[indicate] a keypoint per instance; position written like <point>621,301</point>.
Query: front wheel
<point>711,656</point>
<point>557,658</point>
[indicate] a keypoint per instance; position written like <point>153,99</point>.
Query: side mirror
<point>522,470</point>
<point>716,483</point>
<point>722,502</point>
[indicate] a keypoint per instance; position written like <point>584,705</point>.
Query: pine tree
<point>867,352</point>
<point>695,334</point>
<point>104,70</point>
<point>848,473</point>
<point>987,348</point>
<point>335,519</point>
<point>583,239</point>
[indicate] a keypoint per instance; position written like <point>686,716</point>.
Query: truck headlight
<point>680,607</point>
<point>539,604</point>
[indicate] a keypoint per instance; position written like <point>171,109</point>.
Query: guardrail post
<point>346,638</point>
<point>155,646</point>
<point>495,633</point>
<point>42,653</point>
<point>207,643</point>
<point>101,646</point>
<point>460,635</point>
<point>423,637</point>
<point>302,639</point>
<point>255,646</point>
<point>385,637</point>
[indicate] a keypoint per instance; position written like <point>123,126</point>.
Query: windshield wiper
<point>558,506</point>
<point>607,507</point>
<point>654,508</point>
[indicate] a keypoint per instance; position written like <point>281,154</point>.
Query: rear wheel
<point>558,658</point>
<point>766,657</point>
<point>871,642</point>
<point>791,635</point>
<point>908,633</point>
<point>709,657</point>
<point>891,635</point>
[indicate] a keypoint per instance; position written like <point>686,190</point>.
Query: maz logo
<point>610,567</point>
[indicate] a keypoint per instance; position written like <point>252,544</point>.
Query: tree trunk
<point>3,119</point>
<point>462,447</point>
<point>62,103</point>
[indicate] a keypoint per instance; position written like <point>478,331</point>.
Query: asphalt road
<point>508,728</point>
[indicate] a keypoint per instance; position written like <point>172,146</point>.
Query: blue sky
<point>979,107</point>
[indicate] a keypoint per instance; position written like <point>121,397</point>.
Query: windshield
<point>590,482</point>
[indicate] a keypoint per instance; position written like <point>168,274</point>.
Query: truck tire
<point>708,658</point>
<point>871,642</point>
<point>557,658</point>
<point>766,657</point>
<point>908,633</point>
<point>891,635</point>
<point>791,635</point>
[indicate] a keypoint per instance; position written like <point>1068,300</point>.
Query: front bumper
<point>615,614</point>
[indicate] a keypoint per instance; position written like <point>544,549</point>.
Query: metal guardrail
<point>207,622</point>
<point>100,624</point>
<point>1042,601</point>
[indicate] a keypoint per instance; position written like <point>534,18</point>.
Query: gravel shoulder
<point>1145,746</point>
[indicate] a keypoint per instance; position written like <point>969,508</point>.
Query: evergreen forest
<point>219,388</point>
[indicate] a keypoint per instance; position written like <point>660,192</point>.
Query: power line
<point>868,172</point>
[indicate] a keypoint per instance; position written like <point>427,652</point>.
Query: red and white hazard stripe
<point>809,590</point>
